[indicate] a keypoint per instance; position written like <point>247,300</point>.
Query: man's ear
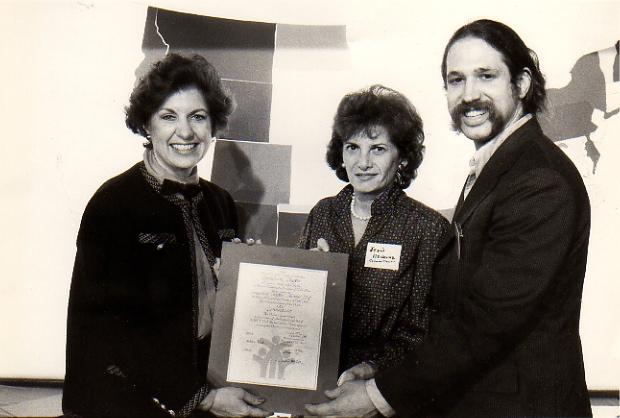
<point>524,83</point>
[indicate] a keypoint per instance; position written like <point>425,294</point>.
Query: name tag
<point>383,256</point>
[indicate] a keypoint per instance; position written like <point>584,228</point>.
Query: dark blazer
<point>504,333</point>
<point>133,304</point>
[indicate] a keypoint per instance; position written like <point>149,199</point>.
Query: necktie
<point>469,183</point>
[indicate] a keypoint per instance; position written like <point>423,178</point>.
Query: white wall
<point>68,67</point>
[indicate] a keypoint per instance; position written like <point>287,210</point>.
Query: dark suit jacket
<point>132,309</point>
<point>504,333</point>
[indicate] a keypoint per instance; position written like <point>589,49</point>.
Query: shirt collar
<point>382,204</point>
<point>485,152</point>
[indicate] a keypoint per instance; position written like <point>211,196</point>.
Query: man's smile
<point>475,116</point>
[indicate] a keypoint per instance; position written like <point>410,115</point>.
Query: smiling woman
<point>145,274</point>
<point>180,132</point>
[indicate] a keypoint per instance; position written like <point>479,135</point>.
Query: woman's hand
<point>362,371</point>
<point>321,245</point>
<point>216,266</point>
<point>233,402</point>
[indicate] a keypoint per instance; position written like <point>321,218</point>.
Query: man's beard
<point>498,122</point>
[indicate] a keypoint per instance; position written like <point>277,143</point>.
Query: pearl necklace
<point>355,215</point>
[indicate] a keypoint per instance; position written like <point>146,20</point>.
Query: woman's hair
<point>378,106</point>
<point>174,73</point>
<point>515,53</point>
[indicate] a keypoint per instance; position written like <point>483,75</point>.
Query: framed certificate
<point>277,324</point>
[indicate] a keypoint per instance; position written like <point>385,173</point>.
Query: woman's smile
<point>181,132</point>
<point>365,176</point>
<point>184,148</point>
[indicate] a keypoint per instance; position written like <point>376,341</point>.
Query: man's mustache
<point>465,107</point>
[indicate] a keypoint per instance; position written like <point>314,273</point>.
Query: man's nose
<point>471,92</point>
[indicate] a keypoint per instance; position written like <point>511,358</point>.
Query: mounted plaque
<point>277,324</point>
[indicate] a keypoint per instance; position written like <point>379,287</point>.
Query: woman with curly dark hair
<point>377,146</point>
<point>144,280</point>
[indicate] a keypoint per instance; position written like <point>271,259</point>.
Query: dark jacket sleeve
<point>529,239</point>
<point>233,217</point>
<point>221,221</point>
<point>95,384</point>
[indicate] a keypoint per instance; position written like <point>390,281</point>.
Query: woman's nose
<point>184,130</point>
<point>364,161</point>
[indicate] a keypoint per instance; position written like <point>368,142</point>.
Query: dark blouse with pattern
<point>386,311</point>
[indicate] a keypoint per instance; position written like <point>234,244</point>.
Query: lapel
<point>381,209</point>
<point>343,226</point>
<point>459,203</point>
<point>501,161</point>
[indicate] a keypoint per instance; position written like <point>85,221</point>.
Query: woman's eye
<point>199,117</point>
<point>378,150</point>
<point>168,116</point>
<point>350,147</point>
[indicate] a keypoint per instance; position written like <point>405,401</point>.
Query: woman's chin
<point>186,162</point>
<point>367,189</point>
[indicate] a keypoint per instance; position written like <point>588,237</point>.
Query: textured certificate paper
<point>277,326</point>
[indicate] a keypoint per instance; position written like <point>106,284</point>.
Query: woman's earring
<point>399,176</point>
<point>148,144</point>
<point>400,180</point>
<point>342,164</point>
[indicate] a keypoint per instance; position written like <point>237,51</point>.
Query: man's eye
<point>350,147</point>
<point>487,76</point>
<point>454,80</point>
<point>199,117</point>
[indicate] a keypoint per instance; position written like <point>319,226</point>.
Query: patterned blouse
<point>386,311</point>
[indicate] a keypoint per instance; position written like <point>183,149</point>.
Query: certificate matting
<point>277,323</point>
